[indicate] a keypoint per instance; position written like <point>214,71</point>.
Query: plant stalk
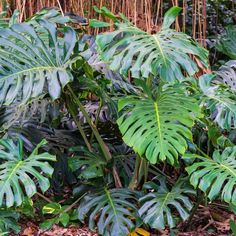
<point>103,146</point>
<point>77,122</point>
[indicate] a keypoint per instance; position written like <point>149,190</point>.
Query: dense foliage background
<point>121,120</point>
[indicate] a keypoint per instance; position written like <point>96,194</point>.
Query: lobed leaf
<point>216,176</point>
<point>32,66</point>
<point>17,173</point>
<point>114,210</point>
<point>158,204</point>
<point>165,54</point>
<point>159,128</point>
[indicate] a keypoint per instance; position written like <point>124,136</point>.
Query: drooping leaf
<point>37,109</point>
<point>220,100</point>
<point>31,66</point>
<point>165,53</point>
<point>216,176</point>
<point>17,173</point>
<point>159,128</point>
<point>118,81</point>
<point>105,12</point>
<point>114,210</point>
<point>158,204</point>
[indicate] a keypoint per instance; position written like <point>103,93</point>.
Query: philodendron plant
<point>147,85</point>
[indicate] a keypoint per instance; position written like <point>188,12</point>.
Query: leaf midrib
<point>12,172</point>
<point>111,202</point>
<point>158,125</point>
<point>229,169</point>
<point>160,48</point>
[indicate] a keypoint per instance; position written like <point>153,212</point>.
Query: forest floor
<point>208,221</point>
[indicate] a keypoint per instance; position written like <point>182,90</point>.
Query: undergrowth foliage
<point>97,118</point>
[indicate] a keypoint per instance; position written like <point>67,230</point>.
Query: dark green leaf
<point>47,224</point>
<point>157,205</point>
<point>114,210</point>
<point>8,221</point>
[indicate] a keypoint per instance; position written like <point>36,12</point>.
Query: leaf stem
<point>103,146</point>
<point>203,153</point>
<point>96,119</point>
<point>77,122</point>
<point>74,203</point>
<point>43,197</point>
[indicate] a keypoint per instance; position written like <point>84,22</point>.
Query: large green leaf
<point>158,128</point>
<point>166,53</point>
<point>227,43</point>
<point>157,206</point>
<point>216,176</point>
<point>30,66</point>
<point>114,210</point>
<point>220,100</point>
<point>17,173</point>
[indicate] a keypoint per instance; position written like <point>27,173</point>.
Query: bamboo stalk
<point>146,14</point>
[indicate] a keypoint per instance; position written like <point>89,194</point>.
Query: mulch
<point>31,229</point>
